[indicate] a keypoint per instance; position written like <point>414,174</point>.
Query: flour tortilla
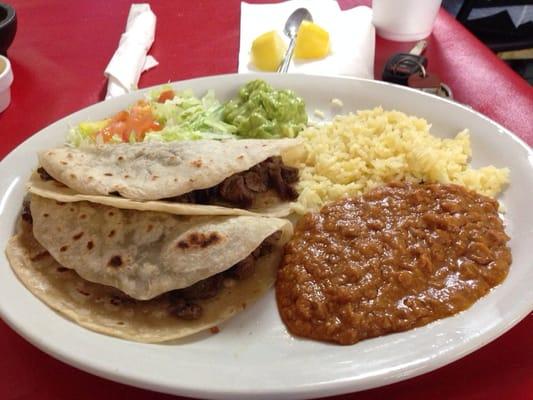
<point>52,189</point>
<point>106,310</point>
<point>153,171</point>
<point>145,253</point>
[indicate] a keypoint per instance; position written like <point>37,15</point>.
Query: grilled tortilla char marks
<point>199,239</point>
<point>398,257</point>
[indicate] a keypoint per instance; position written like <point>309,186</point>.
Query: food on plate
<point>358,152</point>
<point>398,257</point>
<point>146,224</point>
<point>164,115</point>
<point>312,41</point>
<point>267,51</point>
<point>241,173</point>
<point>53,189</point>
<point>144,276</point>
<point>168,115</point>
<point>144,254</point>
<point>319,113</point>
<point>263,112</point>
<point>125,126</point>
<point>337,102</point>
<point>185,117</point>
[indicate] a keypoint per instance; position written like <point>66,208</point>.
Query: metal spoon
<point>291,30</point>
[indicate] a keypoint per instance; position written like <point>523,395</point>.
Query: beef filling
<point>185,310</point>
<point>204,289</point>
<point>182,301</point>
<point>45,176</point>
<point>241,189</point>
<point>26,212</point>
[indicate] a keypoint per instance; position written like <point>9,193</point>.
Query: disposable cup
<point>6,78</point>
<point>404,20</point>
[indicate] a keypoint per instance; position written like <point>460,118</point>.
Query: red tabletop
<point>58,58</point>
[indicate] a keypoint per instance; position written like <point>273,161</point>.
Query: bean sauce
<point>400,256</point>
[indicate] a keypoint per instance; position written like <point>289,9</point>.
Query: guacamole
<point>262,112</point>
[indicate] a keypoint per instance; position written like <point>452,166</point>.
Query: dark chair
<point>497,31</point>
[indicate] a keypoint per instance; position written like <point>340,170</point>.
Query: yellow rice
<point>357,152</point>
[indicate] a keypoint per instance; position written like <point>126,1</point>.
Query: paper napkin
<point>130,59</point>
<point>351,36</point>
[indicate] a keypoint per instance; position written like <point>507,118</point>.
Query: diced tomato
<point>121,116</point>
<point>166,95</point>
<point>139,120</point>
<point>106,134</point>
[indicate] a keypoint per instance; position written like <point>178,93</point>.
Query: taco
<point>143,275</point>
<point>53,189</point>
<point>246,174</point>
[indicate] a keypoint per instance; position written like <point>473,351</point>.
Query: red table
<point>58,57</point>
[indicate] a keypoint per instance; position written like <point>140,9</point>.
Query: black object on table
<point>8,27</point>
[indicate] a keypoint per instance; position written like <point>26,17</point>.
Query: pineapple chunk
<point>312,41</point>
<point>268,50</point>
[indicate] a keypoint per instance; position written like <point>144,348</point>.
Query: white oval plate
<point>253,356</point>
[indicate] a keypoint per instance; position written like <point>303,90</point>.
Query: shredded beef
<point>203,289</point>
<point>255,182</point>
<point>183,300</point>
<point>242,188</point>
<point>234,190</point>
<point>45,176</point>
<point>185,198</point>
<point>289,174</point>
<point>284,189</point>
<point>26,212</point>
<point>202,196</point>
<point>268,244</point>
<point>244,268</point>
<point>185,310</point>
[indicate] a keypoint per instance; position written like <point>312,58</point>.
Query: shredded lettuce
<point>83,133</point>
<point>260,111</point>
<point>185,117</point>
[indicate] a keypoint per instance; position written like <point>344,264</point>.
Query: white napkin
<point>351,36</point>
<point>130,59</point>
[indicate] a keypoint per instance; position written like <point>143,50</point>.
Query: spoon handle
<point>284,66</point>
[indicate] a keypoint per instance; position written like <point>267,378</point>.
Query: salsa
<point>137,121</point>
<point>400,256</point>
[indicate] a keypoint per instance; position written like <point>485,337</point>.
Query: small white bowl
<point>6,79</point>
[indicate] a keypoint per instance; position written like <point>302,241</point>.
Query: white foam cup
<point>404,20</point>
<point>6,79</point>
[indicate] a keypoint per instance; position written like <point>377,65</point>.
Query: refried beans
<point>398,257</point>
